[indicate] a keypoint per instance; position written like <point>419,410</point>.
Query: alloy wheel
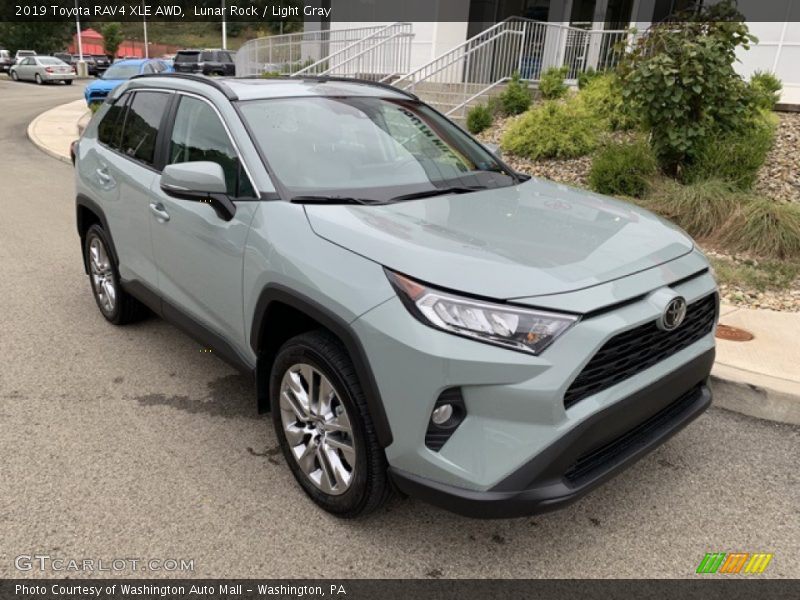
<point>105,288</point>
<point>317,428</point>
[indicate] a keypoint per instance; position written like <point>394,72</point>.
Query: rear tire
<point>115,304</point>
<point>317,401</point>
<point>38,79</point>
<point>68,81</point>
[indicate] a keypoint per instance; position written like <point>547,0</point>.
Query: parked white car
<point>42,69</point>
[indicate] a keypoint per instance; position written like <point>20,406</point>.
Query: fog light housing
<point>447,414</point>
<point>441,414</point>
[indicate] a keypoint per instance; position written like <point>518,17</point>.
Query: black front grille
<point>597,459</point>
<point>633,351</point>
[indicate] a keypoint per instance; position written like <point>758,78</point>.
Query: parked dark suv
<point>73,60</point>
<point>102,63</point>
<point>207,62</point>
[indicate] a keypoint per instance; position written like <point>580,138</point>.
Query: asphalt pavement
<point>120,443</point>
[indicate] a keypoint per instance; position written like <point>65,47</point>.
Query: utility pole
<point>81,69</point>
<point>144,26</point>
<point>224,28</point>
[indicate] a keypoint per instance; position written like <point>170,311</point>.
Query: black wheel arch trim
<point>339,327</point>
<point>82,201</point>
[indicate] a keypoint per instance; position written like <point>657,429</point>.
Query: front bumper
<point>591,453</point>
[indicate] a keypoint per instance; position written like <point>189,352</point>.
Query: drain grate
<point>733,334</point>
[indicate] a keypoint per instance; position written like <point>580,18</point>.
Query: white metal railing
<point>382,55</point>
<point>528,47</point>
<point>291,52</point>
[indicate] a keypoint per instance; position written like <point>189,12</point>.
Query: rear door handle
<point>102,174</point>
<point>158,210</point>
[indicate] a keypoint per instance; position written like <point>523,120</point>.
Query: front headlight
<point>512,327</point>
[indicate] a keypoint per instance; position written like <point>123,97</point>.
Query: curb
<point>44,147</point>
<point>31,131</point>
<point>755,395</point>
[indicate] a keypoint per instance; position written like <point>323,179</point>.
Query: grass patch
<point>702,208</point>
<point>766,228</point>
<point>764,275</point>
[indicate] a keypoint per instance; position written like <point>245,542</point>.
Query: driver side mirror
<point>199,181</point>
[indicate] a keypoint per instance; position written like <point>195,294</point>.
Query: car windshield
<point>121,71</point>
<point>377,149</point>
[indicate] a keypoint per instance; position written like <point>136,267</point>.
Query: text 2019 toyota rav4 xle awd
<point>416,315</point>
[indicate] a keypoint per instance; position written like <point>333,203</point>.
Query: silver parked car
<point>42,69</point>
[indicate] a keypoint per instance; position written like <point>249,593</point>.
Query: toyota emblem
<point>674,314</point>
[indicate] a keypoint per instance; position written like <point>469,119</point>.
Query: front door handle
<point>158,210</point>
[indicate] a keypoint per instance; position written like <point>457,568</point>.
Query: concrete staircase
<point>446,97</point>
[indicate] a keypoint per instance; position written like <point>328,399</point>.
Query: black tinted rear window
<point>209,56</point>
<point>141,125</point>
<point>187,57</point>
<point>109,129</point>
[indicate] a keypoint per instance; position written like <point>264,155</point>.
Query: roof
<point>258,88</point>
<point>92,34</point>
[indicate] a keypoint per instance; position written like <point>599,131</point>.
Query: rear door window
<point>142,122</point>
<point>110,128</point>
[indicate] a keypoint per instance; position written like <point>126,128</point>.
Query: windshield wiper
<point>440,192</point>
<point>334,200</point>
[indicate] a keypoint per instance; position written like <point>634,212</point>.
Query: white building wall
<point>777,51</point>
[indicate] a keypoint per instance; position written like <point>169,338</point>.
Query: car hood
<point>532,239</point>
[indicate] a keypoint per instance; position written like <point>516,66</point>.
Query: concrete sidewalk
<point>760,378</point>
<point>53,131</point>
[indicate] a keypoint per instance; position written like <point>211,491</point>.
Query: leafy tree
<point>681,80</point>
<point>112,37</point>
<point>42,36</point>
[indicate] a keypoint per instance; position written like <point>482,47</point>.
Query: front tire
<point>324,427</point>
<point>115,304</point>
<point>14,76</point>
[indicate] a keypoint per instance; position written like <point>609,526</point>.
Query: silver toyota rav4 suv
<point>415,315</point>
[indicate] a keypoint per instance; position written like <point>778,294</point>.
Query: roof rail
<point>324,78</point>
<point>215,83</point>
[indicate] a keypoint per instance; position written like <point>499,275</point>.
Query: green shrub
<point>587,76</point>
<point>765,227</point>
<point>479,118</point>
<point>603,97</point>
<point>551,83</point>
<point>623,169</point>
<point>272,75</point>
<point>680,77</point>
<point>766,89</point>
<point>762,275</point>
<point>702,208</point>
<point>735,157</point>
<point>556,129</point>
<point>516,98</point>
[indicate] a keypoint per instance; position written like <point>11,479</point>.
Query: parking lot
<point>132,443</point>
